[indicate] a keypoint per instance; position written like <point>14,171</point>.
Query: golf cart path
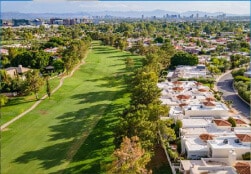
<point>40,100</point>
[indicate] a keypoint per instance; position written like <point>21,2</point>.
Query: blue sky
<point>59,6</point>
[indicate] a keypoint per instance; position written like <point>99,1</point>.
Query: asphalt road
<point>225,85</point>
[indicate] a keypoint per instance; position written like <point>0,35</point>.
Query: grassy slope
<point>82,114</point>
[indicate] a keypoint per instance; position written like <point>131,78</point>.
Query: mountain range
<point>132,14</point>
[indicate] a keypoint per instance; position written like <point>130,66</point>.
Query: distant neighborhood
<point>170,86</point>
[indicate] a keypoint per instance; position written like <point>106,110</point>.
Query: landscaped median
<point>71,132</point>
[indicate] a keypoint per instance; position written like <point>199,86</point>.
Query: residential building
<point>227,165</point>
<point>220,146</point>
<point>14,72</point>
<point>191,71</point>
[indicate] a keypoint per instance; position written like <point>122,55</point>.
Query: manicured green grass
<point>73,131</point>
<point>208,85</point>
<point>17,105</point>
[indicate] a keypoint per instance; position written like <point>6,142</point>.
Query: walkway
<point>40,100</point>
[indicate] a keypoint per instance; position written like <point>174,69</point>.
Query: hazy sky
<point>59,6</point>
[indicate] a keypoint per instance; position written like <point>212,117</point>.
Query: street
<point>225,85</point>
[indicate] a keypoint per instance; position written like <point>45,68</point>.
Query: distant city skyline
<point>59,6</point>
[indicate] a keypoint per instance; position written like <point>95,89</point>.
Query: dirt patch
<point>43,112</point>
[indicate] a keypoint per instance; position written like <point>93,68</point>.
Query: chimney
<point>19,69</point>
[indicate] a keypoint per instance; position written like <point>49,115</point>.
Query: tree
<point>58,65</point>
<point>237,60</point>
<point>6,84</point>
<point>177,127</point>
<point>129,63</point>
<point>167,133</point>
<point>34,82</point>
<point>8,34</point>
<point>23,58</point>
<point>183,58</point>
<point>48,87</point>
<point>232,121</point>
<point>3,100</point>
<point>130,158</point>
<point>74,53</point>
<point>144,88</point>
<point>159,39</point>
<point>136,121</point>
<point>165,54</point>
<point>40,59</point>
<point>179,148</point>
<point>122,44</point>
<point>229,103</point>
<point>246,156</point>
<point>233,46</point>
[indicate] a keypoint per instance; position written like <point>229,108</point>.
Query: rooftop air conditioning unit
<point>237,141</point>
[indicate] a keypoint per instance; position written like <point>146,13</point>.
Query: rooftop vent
<point>237,140</point>
<point>225,141</point>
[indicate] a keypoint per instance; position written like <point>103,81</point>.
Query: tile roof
<point>182,104</point>
<point>198,83</point>
<point>181,96</point>
<point>208,103</point>
<point>206,137</point>
<point>244,137</point>
<point>243,167</point>
<point>239,121</point>
<point>178,89</point>
<point>210,99</point>
<point>177,83</point>
<point>220,122</point>
<point>202,90</point>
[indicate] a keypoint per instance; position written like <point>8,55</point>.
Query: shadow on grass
<point>97,149</point>
<point>94,97</point>
<point>18,101</point>
<point>49,156</point>
<point>105,50</point>
<point>74,125</point>
<point>115,80</point>
<point>93,125</point>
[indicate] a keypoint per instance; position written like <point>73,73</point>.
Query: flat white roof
<point>242,130</point>
<point>208,129</point>
<point>193,122</point>
<point>200,107</point>
<point>207,162</point>
<point>218,143</point>
<point>189,163</point>
<point>175,110</point>
<point>168,101</point>
<point>213,170</point>
<point>195,144</point>
<point>170,74</point>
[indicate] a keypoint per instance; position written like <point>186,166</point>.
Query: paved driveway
<point>225,85</point>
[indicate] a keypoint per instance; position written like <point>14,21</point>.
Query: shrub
<point>178,142</point>
<point>232,121</point>
<point>246,156</point>
<point>3,99</point>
